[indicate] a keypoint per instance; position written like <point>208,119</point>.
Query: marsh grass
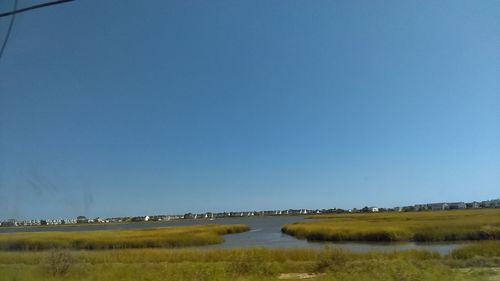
<point>482,249</point>
<point>162,237</point>
<point>59,262</point>
<point>456,225</point>
<point>149,255</point>
<point>234,264</point>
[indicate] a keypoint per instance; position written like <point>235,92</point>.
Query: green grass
<point>457,225</point>
<point>161,237</point>
<point>238,264</point>
<point>483,249</point>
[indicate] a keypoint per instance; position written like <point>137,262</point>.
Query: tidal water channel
<point>265,232</point>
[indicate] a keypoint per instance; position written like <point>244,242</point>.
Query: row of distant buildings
<point>290,212</point>
<point>13,222</point>
<point>98,220</point>
<point>207,215</point>
<point>452,206</point>
<point>428,207</point>
<point>210,215</point>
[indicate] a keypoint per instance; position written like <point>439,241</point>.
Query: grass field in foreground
<point>166,237</point>
<point>455,225</point>
<point>249,264</point>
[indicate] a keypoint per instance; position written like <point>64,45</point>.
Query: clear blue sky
<point>112,108</point>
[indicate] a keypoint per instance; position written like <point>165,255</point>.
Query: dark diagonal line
<point>8,31</point>
<point>15,11</point>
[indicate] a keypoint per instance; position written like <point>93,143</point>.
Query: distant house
<point>439,206</point>
<point>457,205</point>
<point>68,221</point>
<point>116,219</point>
<point>10,222</point>
<point>101,220</point>
<point>491,203</point>
<point>421,207</point>
<point>374,209</point>
<point>495,203</point>
<point>138,219</point>
<point>51,221</point>
<point>188,216</point>
<point>82,219</point>
<point>472,205</point>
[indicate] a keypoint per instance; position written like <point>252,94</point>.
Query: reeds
<point>417,226</point>
<point>232,264</point>
<point>162,237</point>
<point>481,249</point>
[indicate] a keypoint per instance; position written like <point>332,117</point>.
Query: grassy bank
<point>162,237</point>
<point>241,264</point>
<point>482,224</point>
<point>483,249</point>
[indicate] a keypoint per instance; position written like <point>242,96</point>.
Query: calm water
<point>265,232</point>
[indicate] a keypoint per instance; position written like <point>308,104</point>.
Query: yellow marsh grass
<point>162,237</point>
<point>455,225</point>
<point>483,249</point>
<point>200,255</point>
<point>232,264</point>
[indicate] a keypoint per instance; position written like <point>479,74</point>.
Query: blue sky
<point>112,108</point>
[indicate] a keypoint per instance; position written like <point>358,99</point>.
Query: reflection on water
<point>265,232</point>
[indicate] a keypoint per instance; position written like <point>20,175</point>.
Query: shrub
<point>59,262</point>
<point>331,259</point>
